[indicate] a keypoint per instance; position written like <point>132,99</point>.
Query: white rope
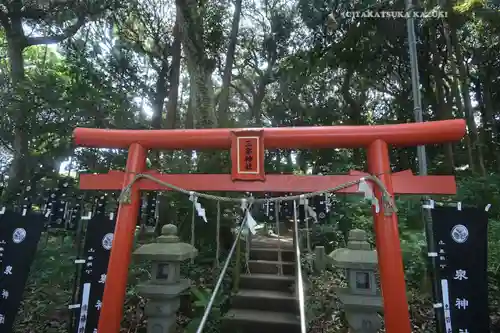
<point>280,257</point>
<point>192,228</point>
<point>217,239</point>
<point>389,204</point>
<point>248,236</point>
<point>306,218</point>
<point>247,250</point>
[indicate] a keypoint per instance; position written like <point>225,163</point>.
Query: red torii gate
<point>247,155</point>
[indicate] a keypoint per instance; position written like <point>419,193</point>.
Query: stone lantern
<point>164,289</point>
<point>360,299</point>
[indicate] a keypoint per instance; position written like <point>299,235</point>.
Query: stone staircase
<point>265,302</point>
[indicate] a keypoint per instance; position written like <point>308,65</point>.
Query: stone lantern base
<point>162,305</point>
<point>363,322</point>
<point>162,325</point>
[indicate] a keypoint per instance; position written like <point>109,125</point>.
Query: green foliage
<point>48,291</point>
<point>481,191</point>
<point>201,299</point>
<point>467,6</point>
<point>323,307</point>
<point>414,249</point>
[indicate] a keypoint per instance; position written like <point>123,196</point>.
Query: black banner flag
<point>19,237</point>
<point>270,209</point>
<point>319,204</point>
<point>151,209</point>
<point>74,214</point>
<point>461,248</point>
<point>302,212</point>
<point>285,209</point>
<point>98,240</point>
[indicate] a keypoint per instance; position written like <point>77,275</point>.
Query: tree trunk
<point>489,122</point>
<point>442,109</point>
<point>175,71</point>
<point>159,95</point>
<point>16,42</point>
<point>455,92</point>
<point>166,211</point>
<point>200,67</point>
<point>355,112</point>
<point>477,152</point>
<point>260,94</point>
<point>264,80</point>
<point>226,79</point>
<point>403,152</point>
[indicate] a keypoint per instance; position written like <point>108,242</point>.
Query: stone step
<point>253,321</point>
<point>267,282</point>
<point>272,242</point>
<point>272,254</point>
<point>270,267</point>
<point>265,300</point>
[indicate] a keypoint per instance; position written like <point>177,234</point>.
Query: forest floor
<point>49,291</point>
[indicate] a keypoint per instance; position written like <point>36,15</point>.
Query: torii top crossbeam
<point>412,134</point>
<point>247,155</point>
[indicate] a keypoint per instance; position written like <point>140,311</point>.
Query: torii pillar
<point>247,156</point>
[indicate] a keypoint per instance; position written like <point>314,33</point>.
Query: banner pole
<point>432,262</point>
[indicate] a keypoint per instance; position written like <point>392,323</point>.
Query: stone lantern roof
<point>357,255</point>
<point>167,247</point>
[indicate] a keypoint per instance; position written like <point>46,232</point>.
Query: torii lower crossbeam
<point>404,183</point>
<point>375,139</point>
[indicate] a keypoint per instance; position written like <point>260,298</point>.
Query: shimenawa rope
<point>389,205</point>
